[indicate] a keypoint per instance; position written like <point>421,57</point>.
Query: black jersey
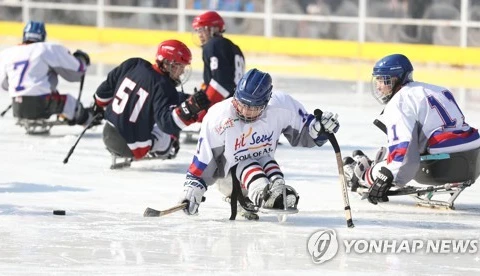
<point>224,65</point>
<point>138,96</point>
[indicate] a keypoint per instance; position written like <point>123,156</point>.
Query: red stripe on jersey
<point>139,153</point>
<point>213,95</point>
<point>396,152</point>
<point>102,104</point>
<point>194,170</point>
<point>447,136</point>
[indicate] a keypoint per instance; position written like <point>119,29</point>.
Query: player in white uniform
<point>29,72</point>
<point>239,136</point>
<point>419,119</point>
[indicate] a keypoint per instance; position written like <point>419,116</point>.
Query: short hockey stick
<point>82,80</point>
<point>380,125</point>
<point>6,110</point>
<point>343,184</point>
<point>70,152</point>
<point>149,212</point>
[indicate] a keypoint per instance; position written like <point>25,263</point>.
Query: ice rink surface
<point>105,233</point>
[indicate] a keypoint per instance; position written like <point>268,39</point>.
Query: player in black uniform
<point>144,111</point>
<point>224,63</point>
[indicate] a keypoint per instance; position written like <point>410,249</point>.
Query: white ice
<point>104,231</point>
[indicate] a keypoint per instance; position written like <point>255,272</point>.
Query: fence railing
<point>438,22</point>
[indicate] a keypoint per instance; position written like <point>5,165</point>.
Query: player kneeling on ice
<point>29,72</point>
<point>429,140</point>
<point>239,137</point>
<point>143,110</point>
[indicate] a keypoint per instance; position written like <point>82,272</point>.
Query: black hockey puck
<point>59,212</point>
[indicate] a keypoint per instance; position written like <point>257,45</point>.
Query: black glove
<point>378,191</point>
<point>189,109</point>
<point>175,144</point>
<point>82,56</point>
<point>96,109</point>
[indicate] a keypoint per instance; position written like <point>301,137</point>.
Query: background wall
<point>339,39</point>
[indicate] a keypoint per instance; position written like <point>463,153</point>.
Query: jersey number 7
<point>122,95</point>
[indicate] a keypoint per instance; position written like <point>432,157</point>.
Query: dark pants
<point>114,142</point>
<point>38,107</point>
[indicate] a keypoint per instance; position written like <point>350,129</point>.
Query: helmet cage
<point>178,72</point>
<point>248,113</point>
<point>389,75</point>
<point>201,35</point>
<point>252,95</point>
<point>382,87</point>
<point>207,25</point>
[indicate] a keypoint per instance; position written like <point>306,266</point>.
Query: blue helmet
<point>389,75</point>
<point>252,94</point>
<point>34,31</point>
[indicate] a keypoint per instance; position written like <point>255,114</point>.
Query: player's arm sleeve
<point>403,129</point>
<point>63,63</point>
<point>3,76</point>
<point>106,90</point>
<point>208,156</point>
<point>221,85</point>
<point>297,120</point>
<point>165,100</point>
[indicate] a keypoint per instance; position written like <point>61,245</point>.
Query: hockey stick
<point>82,80</point>
<point>343,184</point>
<point>6,110</point>
<point>149,212</point>
<point>65,161</point>
<point>415,190</point>
<point>380,125</point>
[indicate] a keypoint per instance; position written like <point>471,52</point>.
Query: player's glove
<point>319,127</point>
<point>189,109</point>
<point>97,109</point>
<point>193,195</point>
<point>378,191</point>
<point>79,54</point>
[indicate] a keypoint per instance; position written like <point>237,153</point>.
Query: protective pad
<point>449,168</point>
<point>114,142</point>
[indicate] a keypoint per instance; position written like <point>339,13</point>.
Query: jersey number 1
<point>122,95</point>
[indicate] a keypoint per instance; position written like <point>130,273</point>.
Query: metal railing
<point>444,22</point>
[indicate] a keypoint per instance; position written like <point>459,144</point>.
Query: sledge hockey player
<point>144,113</point>
<point>29,72</point>
<point>239,137</point>
<point>223,61</point>
<point>420,119</point>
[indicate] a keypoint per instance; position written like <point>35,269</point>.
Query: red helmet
<point>209,19</point>
<point>174,50</point>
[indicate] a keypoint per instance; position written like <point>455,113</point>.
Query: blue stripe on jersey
<point>455,141</point>
<point>197,167</point>
<point>397,152</point>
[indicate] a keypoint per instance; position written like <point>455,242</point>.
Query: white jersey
<point>420,119</point>
<point>32,69</point>
<point>226,140</point>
